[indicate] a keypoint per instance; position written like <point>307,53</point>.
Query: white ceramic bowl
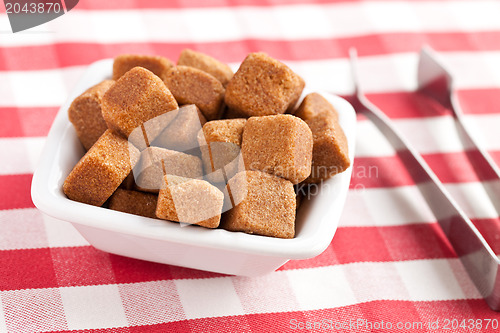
<point>166,242</point>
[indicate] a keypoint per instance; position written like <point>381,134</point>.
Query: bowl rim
<point>51,201</point>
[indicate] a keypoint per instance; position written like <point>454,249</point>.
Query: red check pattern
<point>389,263</point>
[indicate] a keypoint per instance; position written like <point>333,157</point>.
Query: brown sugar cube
<point>193,86</point>
<point>181,134</point>
<point>264,205</point>
<point>138,98</point>
<point>86,116</point>
<point>220,143</point>
<point>280,145</point>
<point>192,201</point>
<point>134,202</point>
<point>313,105</point>
<point>263,86</point>
<point>330,151</point>
<point>101,170</point>
<point>156,64</point>
<point>206,63</point>
<point>156,162</point>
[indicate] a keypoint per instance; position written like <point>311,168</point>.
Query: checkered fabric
<point>389,267</point>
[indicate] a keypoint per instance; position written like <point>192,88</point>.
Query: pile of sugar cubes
<point>198,144</point>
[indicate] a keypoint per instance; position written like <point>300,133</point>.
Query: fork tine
<point>433,78</point>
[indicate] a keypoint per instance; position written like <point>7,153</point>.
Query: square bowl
<point>215,250</point>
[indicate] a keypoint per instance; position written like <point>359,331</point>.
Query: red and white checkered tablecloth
<point>388,269</point>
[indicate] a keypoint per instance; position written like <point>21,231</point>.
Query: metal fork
<point>479,260</point>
